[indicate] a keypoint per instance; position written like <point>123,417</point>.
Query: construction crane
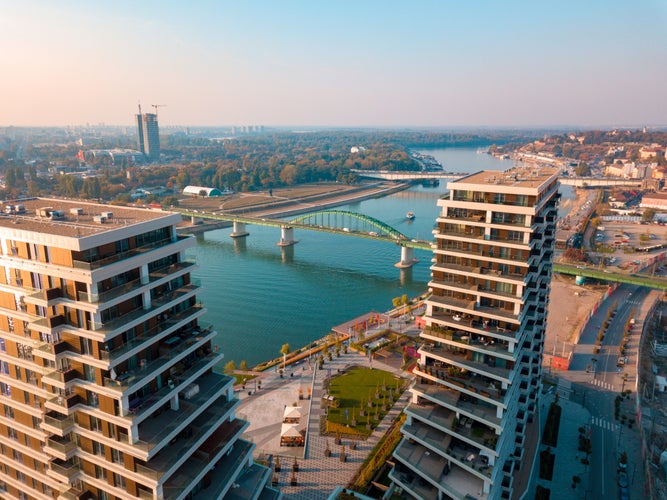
<point>158,106</point>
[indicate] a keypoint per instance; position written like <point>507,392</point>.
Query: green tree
<point>648,215</point>
<point>230,367</point>
<point>284,350</point>
<point>243,365</point>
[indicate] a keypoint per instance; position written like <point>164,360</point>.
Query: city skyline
<point>371,64</point>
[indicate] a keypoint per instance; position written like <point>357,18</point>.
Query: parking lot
<point>623,239</point>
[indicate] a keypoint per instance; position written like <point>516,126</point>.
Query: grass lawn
<point>352,391</point>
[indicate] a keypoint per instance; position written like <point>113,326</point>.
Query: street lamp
<point>595,361</point>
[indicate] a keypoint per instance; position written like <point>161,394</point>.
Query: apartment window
<point>514,235</point>
<point>116,456</point>
<point>103,495</point>
<point>17,369</point>
<point>87,347</point>
<point>95,424</point>
<point>9,411</point>
<point>36,421</point>
<point>98,448</point>
<point>99,472</point>
<point>18,456</point>
<point>2,345</point>
<point>21,477</point>
<point>89,373</point>
<point>24,351</point>
<point>4,368</point>
<point>499,198</point>
<point>22,494</point>
<point>118,481</point>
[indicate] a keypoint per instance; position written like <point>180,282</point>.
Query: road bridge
<point>591,182</point>
<point>656,282</point>
<point>341,222</point>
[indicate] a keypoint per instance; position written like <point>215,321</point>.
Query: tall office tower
<point>472,428</point>
<point>149,135</point>
<point>106,371</point>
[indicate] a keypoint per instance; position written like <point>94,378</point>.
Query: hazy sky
<point>335,62</point>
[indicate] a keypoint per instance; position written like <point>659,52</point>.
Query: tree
<point>243,365</point>
<point>230,367</point>
<point>202,193</point>
<point>284,350</point>
<point>648,215</point>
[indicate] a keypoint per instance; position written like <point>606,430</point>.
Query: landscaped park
<point>357,400</point>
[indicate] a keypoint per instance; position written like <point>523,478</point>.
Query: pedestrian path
<point>602,384</point>
<point>605,424</point>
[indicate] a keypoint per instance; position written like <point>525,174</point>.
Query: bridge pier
<point>239,230</point>
<point>286,236</point>
<point>407,258</point>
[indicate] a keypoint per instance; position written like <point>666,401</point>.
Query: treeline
<point>244,163</point>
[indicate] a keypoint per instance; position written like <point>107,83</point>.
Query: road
<point>596,382</point>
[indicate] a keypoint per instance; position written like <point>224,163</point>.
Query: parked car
<point>623,479</point>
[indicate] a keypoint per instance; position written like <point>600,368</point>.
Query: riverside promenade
<point>317,474</point>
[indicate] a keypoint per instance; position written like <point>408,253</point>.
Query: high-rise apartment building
<point>106,370</point>
<point>149,135</point>
<point>471,429</point>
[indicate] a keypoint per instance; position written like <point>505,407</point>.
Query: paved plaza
<point>317,475</point>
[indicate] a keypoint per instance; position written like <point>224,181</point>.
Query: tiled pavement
<point>317,475</point>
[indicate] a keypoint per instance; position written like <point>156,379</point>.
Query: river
<point>260,296</point>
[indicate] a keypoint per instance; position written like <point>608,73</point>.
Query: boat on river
<point>410,216</point>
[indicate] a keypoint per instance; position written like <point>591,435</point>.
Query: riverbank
<point>283,202</point>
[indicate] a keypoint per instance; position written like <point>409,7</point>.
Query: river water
<point>260,296</point>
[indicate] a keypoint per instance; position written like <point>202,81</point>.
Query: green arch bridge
<point>341,222</point>
<point>605,275</point>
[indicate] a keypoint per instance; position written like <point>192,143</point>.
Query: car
<point>636,262</point>
<point>624,494</point>
<point>623,479</point>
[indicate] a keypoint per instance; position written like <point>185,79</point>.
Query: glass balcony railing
<point>150,334</point>
<point>117,257</point>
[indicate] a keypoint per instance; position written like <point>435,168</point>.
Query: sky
<point>363,63</point>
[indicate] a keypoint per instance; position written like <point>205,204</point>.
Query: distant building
<point>149,135</point>
<point>654,200</point>
<point>200,190</point>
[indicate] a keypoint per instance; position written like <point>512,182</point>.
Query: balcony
<point>126,319</point>
<point>149,336</point>
<point>212,422</point>
<point>154,431</point>
<point>60,447</point>
<point>46,298</point>
<point>125,380</point>
<point>118,256</point>
<point>63,404</point>
<point>61,376</point>
<point>453,400</point>
<point>454,481</point>
<point>225,470</point>
<point>120,290</point>
<point>463,359</point>
<point>485,329</point>
<point>63,471</point>
<point>452,302</point>
<point>417,486</point>
<point>54,348</point>
<point>58,423</point>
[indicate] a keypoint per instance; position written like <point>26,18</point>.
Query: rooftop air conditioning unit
<point>100,219</point>
<point>76,211</point>
<point>108,215</point>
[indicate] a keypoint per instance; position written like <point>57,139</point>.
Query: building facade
<point>149,135</point>
<point>106,369</point>
<point>472,424</point>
